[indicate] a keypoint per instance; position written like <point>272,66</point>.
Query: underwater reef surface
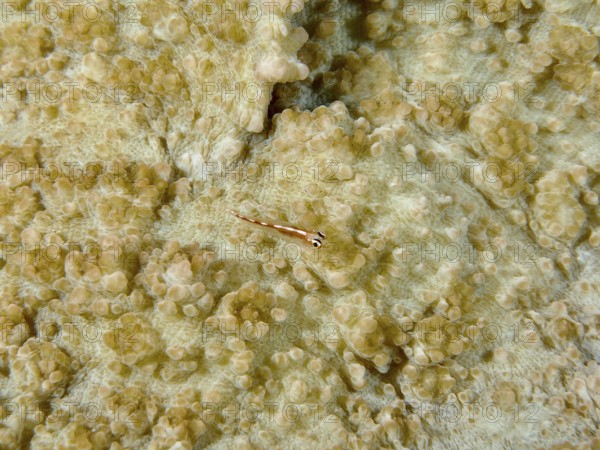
<point>448,150</point>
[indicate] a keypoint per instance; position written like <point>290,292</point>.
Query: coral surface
<point>448,150</point>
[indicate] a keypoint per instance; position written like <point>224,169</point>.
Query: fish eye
<point>316,243</point>
<point>321,235</point>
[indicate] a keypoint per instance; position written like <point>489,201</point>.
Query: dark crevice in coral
<point>321,54</point>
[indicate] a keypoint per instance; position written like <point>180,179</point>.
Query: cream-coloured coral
<point>41,369</point>
<point>132,339</point>
<point>557,211</point>
<point>458,280</point>
<point>14,327</point>
<point>573,44</point>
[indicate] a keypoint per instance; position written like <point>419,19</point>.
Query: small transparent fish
<point>313,237</point>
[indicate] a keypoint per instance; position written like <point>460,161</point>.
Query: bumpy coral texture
<point>450,158</point>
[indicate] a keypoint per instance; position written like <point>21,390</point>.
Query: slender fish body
<point>313,237</point>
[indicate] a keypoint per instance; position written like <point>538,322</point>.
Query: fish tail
<point>247,219</point>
